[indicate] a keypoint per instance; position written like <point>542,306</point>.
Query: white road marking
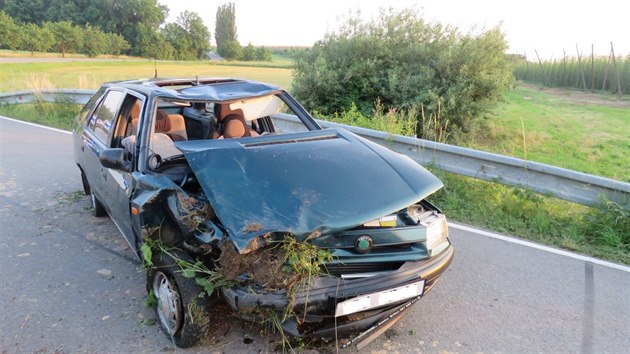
<point>540,247</point>
<point>36,125</point>
<point>457,226</point>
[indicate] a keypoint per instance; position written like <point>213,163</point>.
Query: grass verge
<point>56,115</point>
<point>599,232</point>
<point>587,133</point>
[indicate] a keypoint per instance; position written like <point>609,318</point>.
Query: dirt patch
<point>263,267</point>
<point>581,97</point>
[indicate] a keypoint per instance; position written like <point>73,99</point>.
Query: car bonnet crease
<point>304,184</point>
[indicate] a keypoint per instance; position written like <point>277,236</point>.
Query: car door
<point>96,138</point>
<point>107,127</point>
<point>118,184</point>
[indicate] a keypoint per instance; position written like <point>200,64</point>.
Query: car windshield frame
<point>158,97</point>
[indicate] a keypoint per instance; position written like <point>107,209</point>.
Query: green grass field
<point>89,75</point>
<point>574,130</point>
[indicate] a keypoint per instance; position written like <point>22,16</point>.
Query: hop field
<point>585,73</point>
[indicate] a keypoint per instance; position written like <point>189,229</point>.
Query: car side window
<point>127,123</point>
<point>85,111</point>
<point>102,121</point>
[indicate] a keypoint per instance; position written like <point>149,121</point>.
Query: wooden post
<point>528,75</point>
<point>606,72</point>
<point>580,66</point>
<point>564,74</point>
<point>542,68</point>
<point>612,52</point>
<point>592,67</point>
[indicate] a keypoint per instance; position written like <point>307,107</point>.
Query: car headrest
<point>162,123</point>
<point>234,127</point>
<point>135,110</point>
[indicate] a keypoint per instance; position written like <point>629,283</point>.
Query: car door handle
<point>86,142</point>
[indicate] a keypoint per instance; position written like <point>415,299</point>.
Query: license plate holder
<point>378,299</point>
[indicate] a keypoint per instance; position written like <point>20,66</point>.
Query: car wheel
<point>97,208</point>
<point>181,306</point>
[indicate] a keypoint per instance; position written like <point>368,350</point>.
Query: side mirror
<point>115,159</point>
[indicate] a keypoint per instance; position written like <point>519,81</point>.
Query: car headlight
<point>437,228</point>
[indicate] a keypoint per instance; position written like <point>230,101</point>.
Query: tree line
<point>61,36</point>
<point>132,27</point>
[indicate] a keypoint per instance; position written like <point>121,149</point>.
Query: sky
<point>545,26</point>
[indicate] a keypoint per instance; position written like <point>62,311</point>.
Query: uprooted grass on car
<point>283,264</point>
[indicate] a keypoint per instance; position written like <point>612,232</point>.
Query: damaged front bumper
<point>315,306</point>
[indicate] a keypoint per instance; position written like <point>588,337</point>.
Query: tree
<point>95,42</point>
<point>116,44</point>
<point>9,32</point>
<point>130,18</point>
<point>249,53</point>
<point>179,40</point>
<point>404,61</point>
<point>68,37</point>
<point>26,11</point>
<point>153,44</point>
<point>36,38</point>
<point>225,32</point>
<point>197,33</point>
<point>138,21</point>
<point>263,54</point>
<point>231,50</point>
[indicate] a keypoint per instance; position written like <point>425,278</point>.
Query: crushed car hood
<point>304,184</point>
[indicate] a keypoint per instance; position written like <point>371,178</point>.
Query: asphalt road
<point>69,283</point>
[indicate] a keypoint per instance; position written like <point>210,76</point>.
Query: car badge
<point>363,244</point>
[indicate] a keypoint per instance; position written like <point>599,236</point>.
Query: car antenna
<point>155,65</point>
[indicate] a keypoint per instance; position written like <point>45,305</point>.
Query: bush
<point>404,61</point>
<point>390,121</point>
<point>249,53</point>
<point>230,50</point>
<point>263,54</point>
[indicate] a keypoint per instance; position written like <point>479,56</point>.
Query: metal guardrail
<point>565,184</point>
<point>58,95</point>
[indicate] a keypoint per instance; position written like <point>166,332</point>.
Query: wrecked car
<point>228,190</point>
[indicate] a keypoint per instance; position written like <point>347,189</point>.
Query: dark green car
<point>228,190</point>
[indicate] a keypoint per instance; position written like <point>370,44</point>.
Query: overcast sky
<point>548,26</point>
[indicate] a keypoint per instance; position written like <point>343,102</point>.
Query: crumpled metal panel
<point>159,200</point>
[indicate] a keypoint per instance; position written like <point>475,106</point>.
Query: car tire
<point>181,306</point>
<point>97,208</point>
